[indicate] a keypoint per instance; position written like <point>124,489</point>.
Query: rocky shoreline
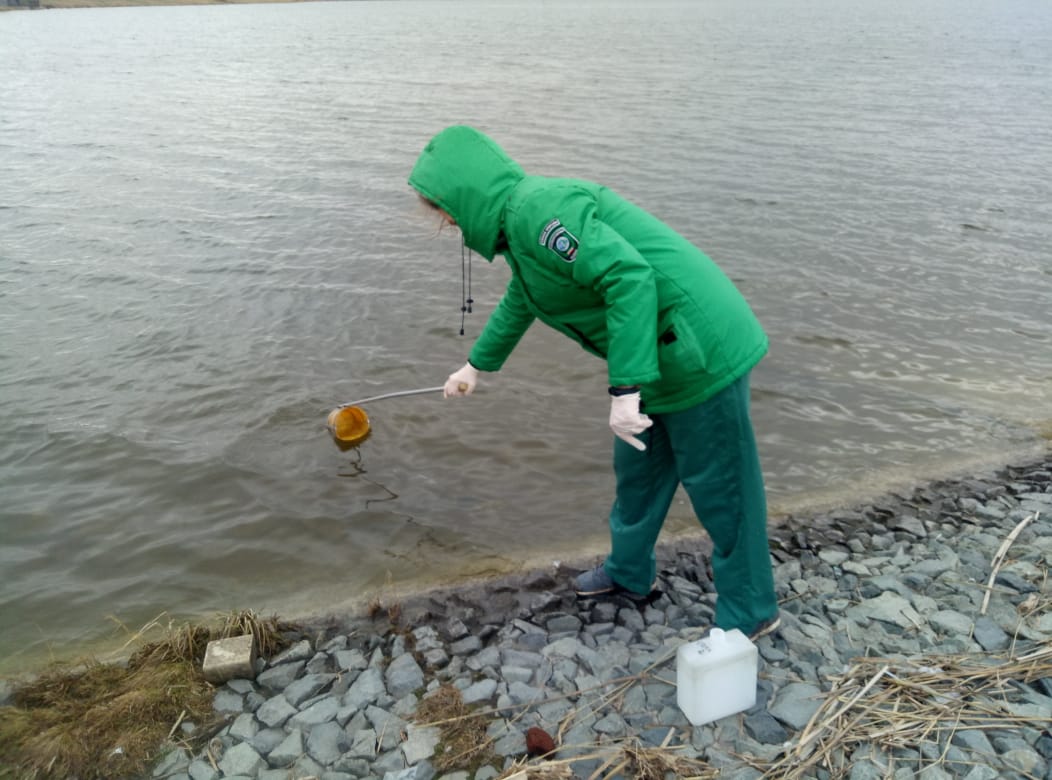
<point>894,660</point>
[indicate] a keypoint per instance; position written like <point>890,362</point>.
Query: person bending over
<point>678,338</point>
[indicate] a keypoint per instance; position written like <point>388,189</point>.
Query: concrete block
<point>231,658</point>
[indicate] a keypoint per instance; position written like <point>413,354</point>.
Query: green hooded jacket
<point>588,263</point>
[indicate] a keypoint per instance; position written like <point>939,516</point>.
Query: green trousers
<point>710,449</point>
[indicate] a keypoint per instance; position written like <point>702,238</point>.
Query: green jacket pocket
<point>679,353</point>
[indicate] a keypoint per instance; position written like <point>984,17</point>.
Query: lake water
<point>206,242</point>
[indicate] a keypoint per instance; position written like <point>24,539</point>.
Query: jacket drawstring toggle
<point>465,282</point>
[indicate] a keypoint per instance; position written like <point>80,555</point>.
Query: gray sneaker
<point>596,582</point>
<point>766,627</point>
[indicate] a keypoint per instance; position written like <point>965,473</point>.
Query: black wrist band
<point>623,390</point>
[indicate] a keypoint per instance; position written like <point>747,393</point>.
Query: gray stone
<point>765,728</point>
<point>933,772</point>
<point>321,663</point>
<point>436,658</point>
<point>350,660</point>
<point>933,567</point>
<point>173,763</point>
<point>552,712</point>
<point>366,689</point>
<point>422,771</point>
<point>991,511</point>
<point>327,742</point>
<point>420,743</point>
<point>672,716</point>
<point>301,651</point>
<point>241,685</point>
<point>612,724</point>
<point>949,621</point>
<point>858,569</point>
<point>320,712</point>
<point>253,701</point>
<point>306,767</point>
<point>466,646</point>
<point>267,739</point>
<point>521,693</point>
<point>910,525</point>
<point>227,700</point>
<point>833,557</point>
<point>391,761</point>
<point>1044,745</point>
<point>275,711</point>
<point>566,647</point>
<point>609,656</point>
<point>483,690</point>
<point>796,703</point>
<point>338,642</point>
<point>388,727</point>
<point>563,623</point>
<point>363,744</point>
<point>486,657</point>
<point>278,678</point>
<point>865,769</point>
<point>202,770</point>
<point>974,740</point>
<point>631,619</point>
<point>1023,759</point>
<point>404,675</point>
<point>522,658</point>
<point>989,635</point>
<point>454,628</point>
<point>288,752</point>
<point>877,585</point>
<point>513,743</point>
<point>405,706</point>
<point>1015,582</point>
<point>888,607</point>
<point>356,767</point>
<point>306,687</point>
<point>244,727</point>
<point>241,759</point>
<point>512,674</point>
<point>426,638</point>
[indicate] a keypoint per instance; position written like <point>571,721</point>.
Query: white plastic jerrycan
<point>716,676</point>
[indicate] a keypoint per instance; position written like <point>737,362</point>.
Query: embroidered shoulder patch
<point>560,240</point>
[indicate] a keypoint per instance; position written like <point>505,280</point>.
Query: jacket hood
<point>469,176</point>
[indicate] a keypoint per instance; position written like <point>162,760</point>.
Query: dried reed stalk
<point>908,702</point>
<point>999,558</point>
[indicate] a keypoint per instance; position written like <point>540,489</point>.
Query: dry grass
<point>375,608</point>
<point>629,759</point>
<point>889,703</point>
<point>111,721</point>
<point>549,770</point>
<point>464,743</point>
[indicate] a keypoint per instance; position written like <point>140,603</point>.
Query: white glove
<point>462,381</point>
<point>626,420</point>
